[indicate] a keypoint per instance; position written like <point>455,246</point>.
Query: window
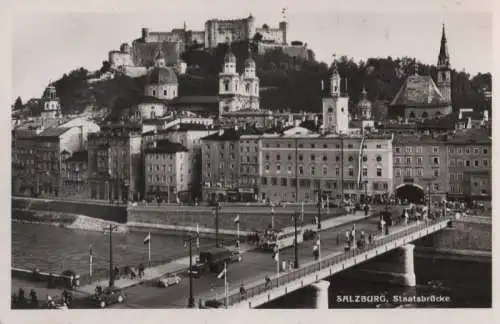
<point>274,181</point>
<point>301,145</point>
<point>408,149</point>
<point>460,163</point>
<point>313,170</point>
<point>452,150</point>
<point>420,160</point>
<point>420,172</point>
<point>337,171</point>
<point>436,172</point>
<point>435,149</point>
<point>379,146</point>
<point>349,146</point>
<point>476,163</point>
<point>407,172</point>
<point>418,149</point>
<point>313,145</point>
<point>436,187</point>
<point>278,168</point>
<point>379,158</point>
<point>467,163</point>
<point>301,170</point>
<point>408,160</point>
<point>278,157</point>
<point>397,160</point>
<point>337,158</point>
<point>459,150</point>
<point>267,157</point>
<point>266,167</point>
<point>485,151</point>
<point>351,171</point>
<point>379,171</point>
<point>226,85</point>
<point>350,158</point>
<point>164,92</point>
<point>325,146</point>
<point>264,181</point>
<point>325,170</point>
<point>435,160</point>
<point>365,171</point>
<point>397,172</point>
<point>398,150</point>
<point>289,157</point>
<point>283,182</point>
<point>289,168</point>
<point>365,158</point>
<point>476,150</point>
<point>301,157</point>
<point>485,162</point>
<point>325,158</point>
<point>313,157</point>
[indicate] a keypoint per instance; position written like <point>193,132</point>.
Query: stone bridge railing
<point>327,262</point>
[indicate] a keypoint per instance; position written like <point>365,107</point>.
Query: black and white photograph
<point>252,155</point>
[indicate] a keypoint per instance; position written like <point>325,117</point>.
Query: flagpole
<point>149,249</point>
<point>225,284</point>
<point>90,256</point>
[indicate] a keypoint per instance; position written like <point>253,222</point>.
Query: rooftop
<point>419,91</point>
<point>165,146</point>
<point>195,100</point>
<point>53,132</point>
<point>231,134</point>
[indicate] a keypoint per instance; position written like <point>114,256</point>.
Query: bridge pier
<point>321,294</point>
<point>408,265</point>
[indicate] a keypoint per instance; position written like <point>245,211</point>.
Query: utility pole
<point>320,196</point>
<point>296,172</point>
<point>110,230</point>
<point>342,170</point>
<point>296,245</point>
<point>217,207</point>
<point>191,296</point>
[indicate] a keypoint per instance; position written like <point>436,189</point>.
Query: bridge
<point>313,273</point>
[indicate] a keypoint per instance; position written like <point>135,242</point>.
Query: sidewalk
<point>151,273</point>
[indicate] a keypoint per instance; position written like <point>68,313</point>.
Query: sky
<point>47,44</point>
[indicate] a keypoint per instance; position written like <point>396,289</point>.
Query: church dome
<point>250,62</point>
<point>162,75</point>
<point>364,103</point>
<point>229,57</point>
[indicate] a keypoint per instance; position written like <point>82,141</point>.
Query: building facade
<point>470,168</point>
<point>74,176</point>
<point>167,171</point>
<point>115,163</point>
<point>335,105</point>
<point>420,167</point>
<point>37,159</point>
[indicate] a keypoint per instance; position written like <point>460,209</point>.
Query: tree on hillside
<point>18,104</point>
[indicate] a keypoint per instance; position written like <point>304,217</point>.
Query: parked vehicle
<point>168,281</point>
<point>108,297</point>
<point>236,257</point>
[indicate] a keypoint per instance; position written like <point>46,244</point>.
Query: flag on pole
<point>237,219</point>
<point>222,273</point>
<point>147,239</point>
<point>276,254</point>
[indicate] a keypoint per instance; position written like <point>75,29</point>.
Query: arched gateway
<point>414,193</point>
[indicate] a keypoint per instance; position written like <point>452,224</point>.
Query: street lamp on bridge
<point>429,181</point>
<point>216,213</point>
<point>109,230</point>
<point>189,241</point>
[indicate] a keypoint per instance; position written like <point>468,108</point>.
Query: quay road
<point>255,266</point>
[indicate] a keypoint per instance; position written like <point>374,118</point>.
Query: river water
<point>468,284</point>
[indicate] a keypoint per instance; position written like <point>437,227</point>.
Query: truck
<point>213,260</point>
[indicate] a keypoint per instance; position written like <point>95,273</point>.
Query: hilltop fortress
<point>134,60</point>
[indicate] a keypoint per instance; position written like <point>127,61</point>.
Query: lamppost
<point>189,241</point>
<point>366,191</point>
<point>216,212</point>
<point>272,216</point>
<point>296,245</point>
<point>429,181</point>
<point>109,229</point>
<point>320,197</point>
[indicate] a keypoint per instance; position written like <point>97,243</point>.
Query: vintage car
<point>168,281</point>
<point>108,297</point>
<point>236,257</point>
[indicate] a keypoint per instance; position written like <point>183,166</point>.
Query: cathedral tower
<point>229,84</point>
<point>335,105</point>
<point>444,71</point>
<point>251,82</point>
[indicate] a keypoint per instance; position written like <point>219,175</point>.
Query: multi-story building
<point>167,171</point>
<point>115,163</point>
<point>188,135</point>
<point>469,163</point>
<point>221,164</point>
<point>299,163</point>
<point>37,158</point>
<point>249,165</point>
<point>420,167</point>
<point>74,175</point>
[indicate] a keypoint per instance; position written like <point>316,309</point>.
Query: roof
<point>162,75</point>
<point>143,54</point>
<point>296,51</point>
<point>23,133</point>
<point>80,156</point>
<point>165,146</point>
<point>196,100</point>
<point>231,134</point>
<point>419,139</point>
<point>149,99</point>
<point>53,132</point>
<point>183,127</point>
<point>471,136</point>
<point>419,91</point>
<point>447,122</point>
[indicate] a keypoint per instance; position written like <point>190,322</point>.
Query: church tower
<point>335,105</point>
<point>251,83</point>
<point>229,84</point>
<point>51,105</point>
<point>444,71</point>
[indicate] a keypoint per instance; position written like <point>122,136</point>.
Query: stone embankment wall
<point>104,211</point>
<point>251,218</point>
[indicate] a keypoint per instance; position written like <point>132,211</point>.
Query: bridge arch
<point>412,192</point>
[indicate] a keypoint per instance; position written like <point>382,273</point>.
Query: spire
<point>444,57</point>
<point>363,92</point>
<point>335,69</point>
<point>185,26</point>
<point>160,58</point>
